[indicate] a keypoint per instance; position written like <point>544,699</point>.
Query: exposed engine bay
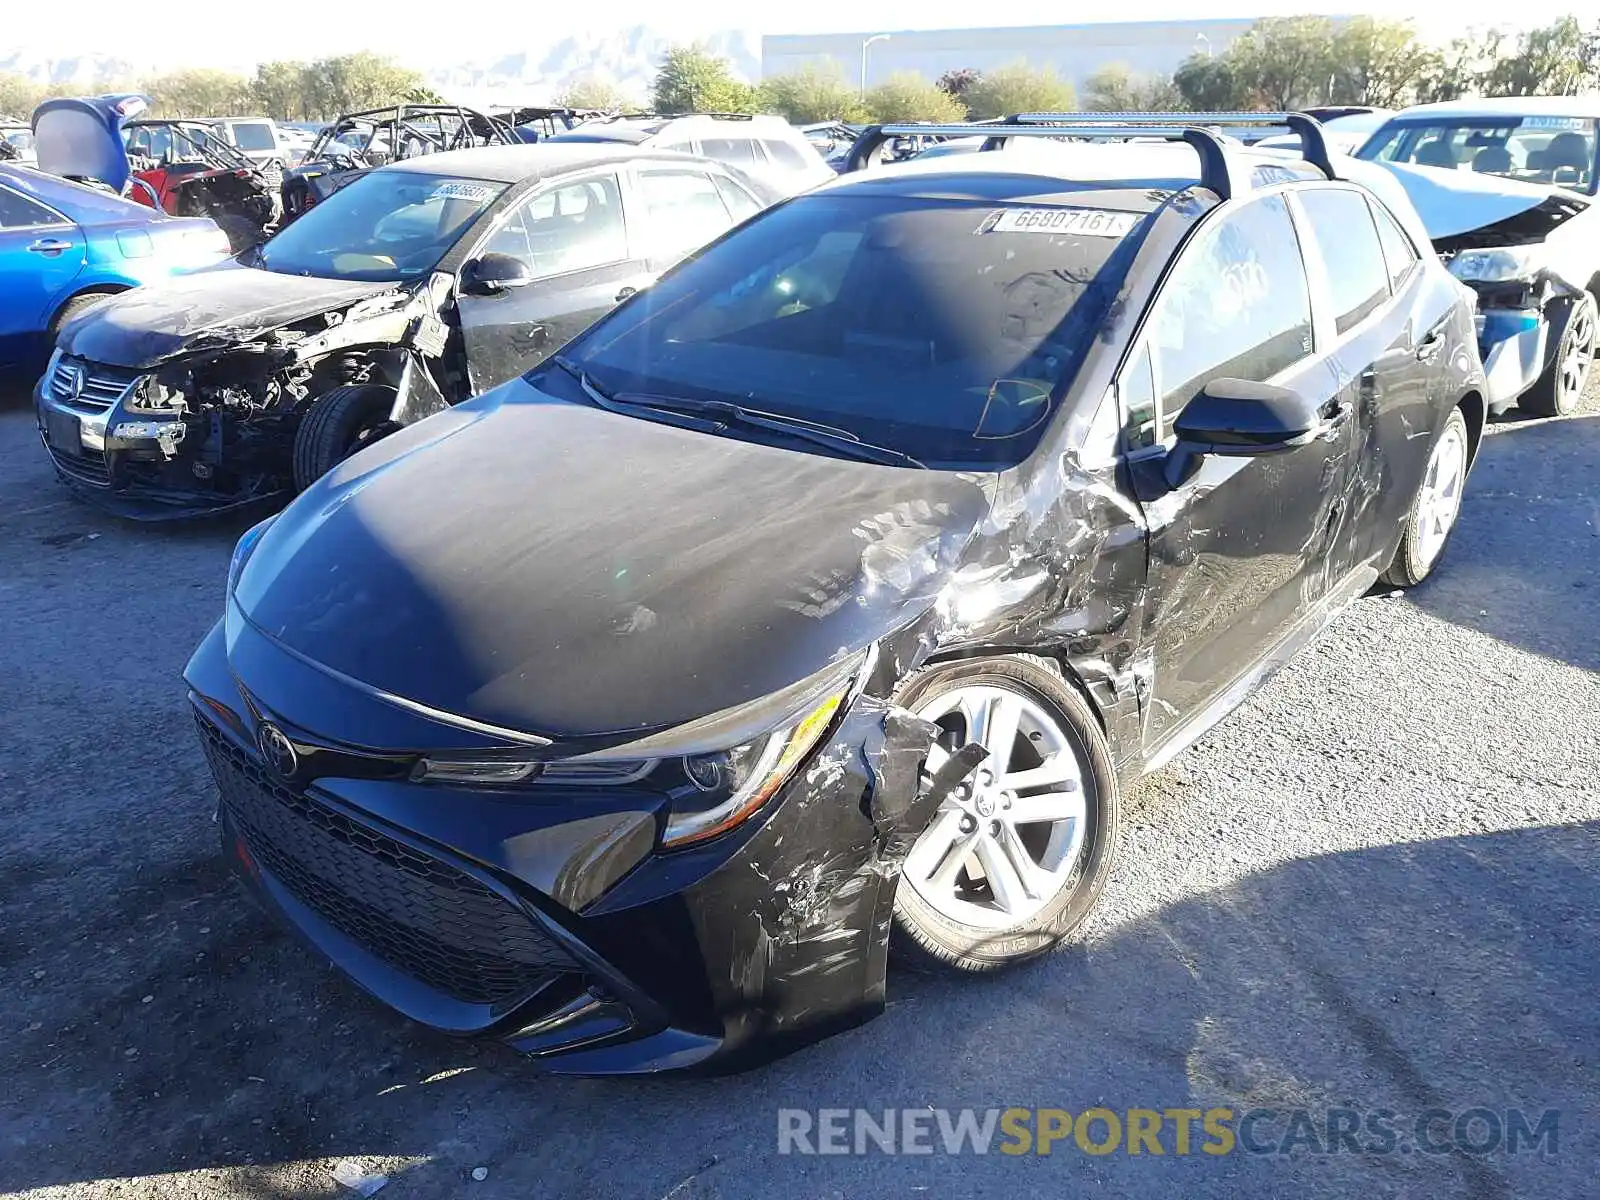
<point>223,422</point>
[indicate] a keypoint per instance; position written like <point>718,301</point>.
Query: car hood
<point>1454,202</point>
<point>559,570</point>
<point>229,303</point>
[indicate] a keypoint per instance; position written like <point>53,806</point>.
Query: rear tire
<point>953,917</point>
<point>337,424</point>
<point>1557,392</point>
<point>1432,516</point>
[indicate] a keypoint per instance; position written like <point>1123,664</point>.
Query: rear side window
<point>253,135</point>
<point>1399,255</point>
<point>739,151</point>
<point>785,155</point>
<point>1237,305</point>
<point>683,210</point>
<point>741,204</point>
<point>1342,228</point>
<point>18,212</point>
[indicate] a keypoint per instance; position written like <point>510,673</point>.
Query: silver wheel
<point>1439,501</point>
<point>1009,839</point>
<point>1579,353</point>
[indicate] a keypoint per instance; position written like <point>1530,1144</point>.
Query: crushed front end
<point>213,427</point>
<point>553,918</point>
<point>1526,287</point>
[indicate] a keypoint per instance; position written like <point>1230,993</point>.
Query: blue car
<point>64,246</point>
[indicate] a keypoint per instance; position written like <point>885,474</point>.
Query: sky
<point>194,33</point>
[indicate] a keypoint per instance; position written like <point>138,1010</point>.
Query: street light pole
<point>877,37</point>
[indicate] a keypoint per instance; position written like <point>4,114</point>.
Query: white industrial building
<point>1074,51</point>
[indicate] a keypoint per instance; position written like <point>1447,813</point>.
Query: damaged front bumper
<point>550,919</point>
<point>141,465</point>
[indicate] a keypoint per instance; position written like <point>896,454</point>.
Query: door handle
<point>1431,341</point>
<point>1334,415</point>
<point>50,246</point>
<point>625,293</point>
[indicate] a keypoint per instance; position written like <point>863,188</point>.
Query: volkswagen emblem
<point>73,382</point>
<point>277,751</point>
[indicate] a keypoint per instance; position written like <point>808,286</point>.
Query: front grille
<point>90,467</point>
<point>418,914</point>
<point>101,386</point>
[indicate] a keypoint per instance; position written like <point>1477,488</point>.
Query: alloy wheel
<point>1004,843</point>
<point>1579,355</point>
<point>1440,498</point>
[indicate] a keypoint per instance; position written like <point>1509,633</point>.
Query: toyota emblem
<point>277,751</point>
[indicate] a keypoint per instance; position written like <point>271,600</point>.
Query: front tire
<point>1557,392</point>
<point>338,423</point>
<point>1011,864</point>
<point>1436,506</point>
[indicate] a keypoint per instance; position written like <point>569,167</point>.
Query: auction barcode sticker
<point>1095,222</point>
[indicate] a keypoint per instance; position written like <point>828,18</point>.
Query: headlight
<point>731,785</point>
<point>717,771</point>
<point>149,396</point>
<point>1500,264</point>
<point>243,550</point>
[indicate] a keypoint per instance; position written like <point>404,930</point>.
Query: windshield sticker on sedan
<point>457,190</point>
<point>1095,222</point>
<point>1555,123</point>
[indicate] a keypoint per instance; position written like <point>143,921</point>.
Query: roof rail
<point>1220,169</point>
<point>1313,145</point>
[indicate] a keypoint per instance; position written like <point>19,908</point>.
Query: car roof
<point>640,129</point>
<point>1506,106</point>
<point>512,164</point>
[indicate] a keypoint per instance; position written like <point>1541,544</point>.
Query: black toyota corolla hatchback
<point>823,596</point>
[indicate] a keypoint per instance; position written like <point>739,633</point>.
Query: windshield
<point>385,227</point>
<point>255,136</point>
<point>1550,150</point>
<point>943,330</point>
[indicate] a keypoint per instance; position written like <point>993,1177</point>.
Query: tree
<point>352,82</point>
<point>958,82</point>
<point>1287,61</point>
<point>19,95</point>
<point>907,96</point>
<point>1116,88</point>
<point>590,92</point>
<point>203,92</point>
<point>1209,83</point>
<point>692,79</point>
<point>1547,61</point>
<point>1461,67</point>
<point>1018,88</point>
<point>811,94</point>
<point>280,90</point>
<point>1377,62</point>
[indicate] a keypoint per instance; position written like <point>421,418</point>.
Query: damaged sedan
<point>415,287</point>
<point>827,594</point>
<point>1507,191</point>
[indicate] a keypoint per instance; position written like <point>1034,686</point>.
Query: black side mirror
<point>1238,418</point>
<point>494,273</point>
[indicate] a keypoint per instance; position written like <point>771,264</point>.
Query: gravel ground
<point>1374,887</point>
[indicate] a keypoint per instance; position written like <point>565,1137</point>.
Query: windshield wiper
<point>722,413</point>
<point>601,398</point>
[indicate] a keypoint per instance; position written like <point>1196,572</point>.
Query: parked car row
<point>700,581</point>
